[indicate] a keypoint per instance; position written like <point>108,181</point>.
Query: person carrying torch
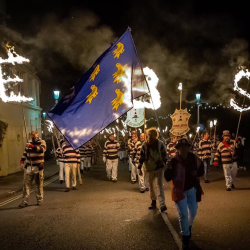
<point>32,162</point>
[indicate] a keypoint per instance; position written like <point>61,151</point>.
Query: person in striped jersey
<point>143,179</point>
<point>205,148</point>
<point>110,157</point>
<point>60,158</point>
<point>81,151</point>
<point>88,152</point>
<point>226,152</point>
<point>32,162</point>
<point>72,162</point>
<point>131,153</point>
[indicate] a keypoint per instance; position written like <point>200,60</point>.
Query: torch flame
<point>13,58</point>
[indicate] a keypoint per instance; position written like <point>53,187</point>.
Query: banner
<point>135,118</point>
<point>180,120</point>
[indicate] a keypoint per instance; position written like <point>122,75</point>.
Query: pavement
<point>99,215</point>
<point>13,183</point>
<point>105,215</point>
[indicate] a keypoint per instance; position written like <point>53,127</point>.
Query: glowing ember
<point>13,58</point>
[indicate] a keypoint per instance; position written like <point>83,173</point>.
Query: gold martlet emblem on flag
<point>94,73</point>
<point>119,73</point>
<point>118,100</point>
<point>92,95</point>
<point>119,50</point>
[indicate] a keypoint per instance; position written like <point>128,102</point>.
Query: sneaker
<point>74,188</point>
<point>163,209</point>
<point>232,186</point>
<point>229,189</point>
<point>61,181</point>
<point>142,191</point>
<point>23,205</point>
<point>207,181</point>
<point>153,205</point>
<point>67,190</point>
<point>39,203</point>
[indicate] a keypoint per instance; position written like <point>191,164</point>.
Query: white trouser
<point>111,168</point>
<point>143,179</point>
<point>155,179</point>
<point>129,163</point>
<point>230,172</point>
<point>87,162</point>
<point>70,169</point>
<point>61,171</point>
<point>82,163</point>
<point>133,169</point>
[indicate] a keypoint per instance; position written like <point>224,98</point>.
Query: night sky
<point>200,44</point>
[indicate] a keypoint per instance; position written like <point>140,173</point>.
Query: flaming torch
<point>242,73</point>
<point>197,131</point>
<point>215,122</point>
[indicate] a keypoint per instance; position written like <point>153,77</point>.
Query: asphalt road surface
<point>99,215</point>
<point>107,215</point>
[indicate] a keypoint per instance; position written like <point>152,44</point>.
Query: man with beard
<point>226,152</point>
<point>33,169</point>
<point>153,155</point>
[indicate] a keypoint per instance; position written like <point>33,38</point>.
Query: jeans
<point>187,210</point>
<point>230,172</point>
<point>206,163</point>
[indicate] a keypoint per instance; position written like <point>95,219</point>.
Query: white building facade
<point>16,114</point>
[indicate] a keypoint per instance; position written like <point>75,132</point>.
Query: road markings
<point>172,231</point>
<point>20,195</point>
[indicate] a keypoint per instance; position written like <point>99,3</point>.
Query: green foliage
<point>3,128</point>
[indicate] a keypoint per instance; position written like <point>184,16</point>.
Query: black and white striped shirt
<point>110,150</point>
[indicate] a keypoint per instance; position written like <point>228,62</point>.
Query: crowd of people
<point>149,160</point>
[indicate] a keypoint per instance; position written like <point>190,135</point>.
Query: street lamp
<point>198,98</point>
<point>56,95</point>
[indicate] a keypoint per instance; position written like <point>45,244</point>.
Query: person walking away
<point>72,162</point>
<point>205,149</point>
<point>154,157</point>
<point>60,158</point>
<point>133,161</point>
<point>226,153</point>
<point>143,179</point>
<point>186,168</point>
<point>110,157</point>
<point>32,162</point>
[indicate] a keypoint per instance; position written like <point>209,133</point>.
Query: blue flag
<point>104,93</point>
